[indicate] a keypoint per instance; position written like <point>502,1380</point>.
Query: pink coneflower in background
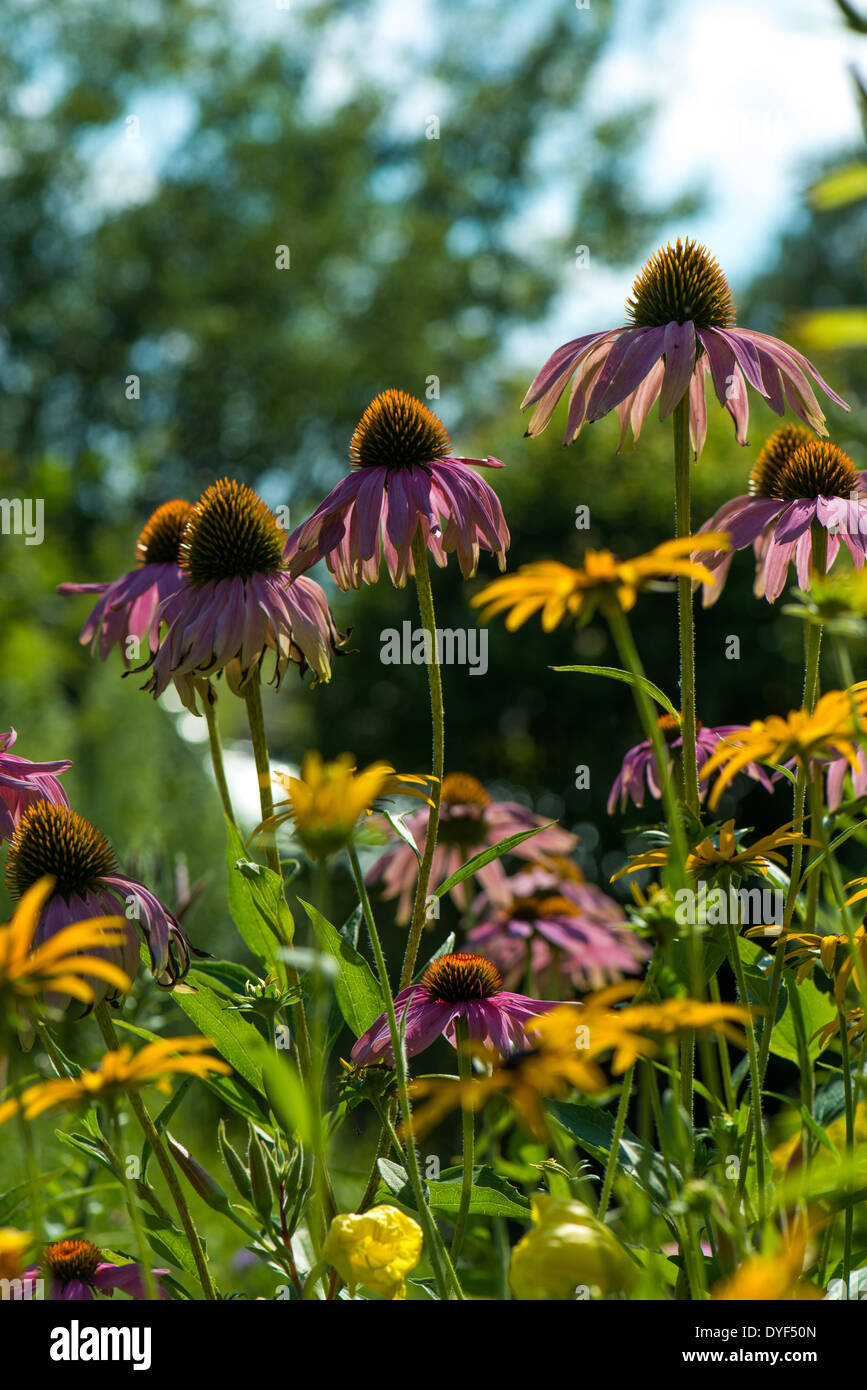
<point>77,1272</point>
<point>404,481</point>
<point>23,783</point>
<point>238,602</point>
<point>470,821</point>
<point>638,769</point>
<point>549,928</point>
<point>127,606</point>
<point>51,839</point>
<point>455,986</point>
<point>836,772</point>
<point>682,328</point>
<point>796,481</point>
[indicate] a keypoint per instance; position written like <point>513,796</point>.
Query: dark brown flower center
<point>538,907</point>
<point>397,431</point>
<point>231,534</point>
<point>72,1259</point>
<point>460,978</point>
<point>460,789</point>
<point>55,840</point>
<point>160,539</point>
<point>793,464</point>
<point>680,283</point>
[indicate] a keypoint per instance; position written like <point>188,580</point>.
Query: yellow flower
<point>567,1248</point>
<point>854,1027</point>
<point>59,964</point>
<point>376,1248</point>
<point>782,1154</point>
<point>560,592</point>
<point>639,1030</point>
<point>805,948</point>
<point>551,1065</point>
<point>563,1052</point>
<point>327,800</point>
<point>13,1247</point>
<point>707,859</point>
<point>120,1072</point>
<point>839,718</point>
<point>771,1278</point>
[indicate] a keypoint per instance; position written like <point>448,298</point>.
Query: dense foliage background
<point>153,159</point>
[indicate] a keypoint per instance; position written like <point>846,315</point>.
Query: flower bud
<point>376,1248</point>
<point>262,1197</point>
<point>567,1247</point>
<point>237,1169</point>
<point>198,1177</point>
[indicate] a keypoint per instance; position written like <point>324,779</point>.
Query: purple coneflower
<point>76,1271</point>
<point>796,481</point>
<point>682,327</point>
<point>548,928</point>
<point>454,986</point>
<point>238,601</point>
<point>23,783</point>
<point>639,766</point>
<point>404,481</point>
<point>470,821</point>
<point>836,771</point>
<point>54,840</point>
<point>127,606</point>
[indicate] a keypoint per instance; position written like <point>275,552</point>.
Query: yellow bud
<point>13,1244</point>
<point>567,1247</point>
<point>377,1248</point>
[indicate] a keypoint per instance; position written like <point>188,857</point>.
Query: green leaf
<point>257,904</point>
<point>491,1195</point>
<point>168,1243</point>
<point>593,1128</point>
<point>288,1098</point>
<point>358,995</point>
<point>239,1042</point>
<point>400,829</point>
<point>16,1196</point>
<point>842,186</point>
<point>496,851</point>
<point>817,1009</point>
<point>614,673</point>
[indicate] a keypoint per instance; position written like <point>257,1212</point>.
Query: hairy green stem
<point>619,1126</point>
<point>468,1135</point>
<point>436,1249</point>
<point>216,747</point>
<point>686,628</point>
<point>106,1027</point>
<point>428,618</point>
<point>256,721</point>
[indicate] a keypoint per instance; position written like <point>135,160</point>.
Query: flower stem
<point>850,1151</point>
<point>217,754</point>
<point>428,618</point>
<point>106,1027</point>
<point>434,1240</point>
<point>256,721</point>
<point>132,1207</point>
<point>812,649</point>
<point>686,629</point>
<point>619,1126</point>
<point>752,1053</point>
<point>468,1134</point>
<point>628,653</point>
